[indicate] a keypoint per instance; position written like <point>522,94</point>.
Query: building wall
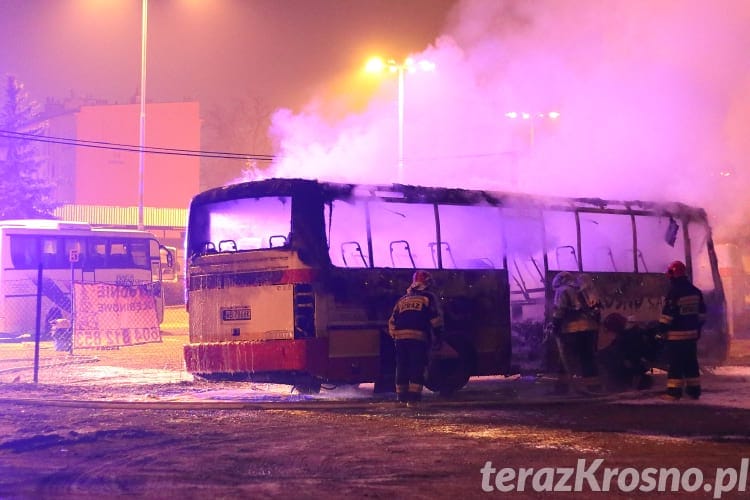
<point>61,158</point>
<point>109,176</point>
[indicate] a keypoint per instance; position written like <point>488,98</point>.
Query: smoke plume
<point>653,99</point>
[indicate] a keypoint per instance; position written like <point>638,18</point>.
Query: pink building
<point>100,184</point>
<point>106,175</point>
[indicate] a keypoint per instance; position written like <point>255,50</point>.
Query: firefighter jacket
<point>572,312</point>
<point>684,311</point>
<point>416,315</point>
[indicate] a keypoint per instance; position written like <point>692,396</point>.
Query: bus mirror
<point>168,255</point>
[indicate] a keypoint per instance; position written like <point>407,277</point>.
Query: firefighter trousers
<point>411,361</point>
<point>682,356</point>
<point>578,354</point>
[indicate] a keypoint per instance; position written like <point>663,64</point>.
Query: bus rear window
<point>248,224</point>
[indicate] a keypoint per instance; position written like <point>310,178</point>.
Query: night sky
<point>210,50</point>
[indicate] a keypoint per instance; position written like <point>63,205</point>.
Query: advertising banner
<point>108,315</point>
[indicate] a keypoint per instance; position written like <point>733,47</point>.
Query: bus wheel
<point>448,375</point>
<point>307,385</point>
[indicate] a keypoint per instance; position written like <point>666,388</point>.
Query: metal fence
<point>50,336</point>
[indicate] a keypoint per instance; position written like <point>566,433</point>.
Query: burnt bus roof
<point>328,191</point>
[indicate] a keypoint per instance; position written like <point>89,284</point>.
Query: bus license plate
<point>235,314</point>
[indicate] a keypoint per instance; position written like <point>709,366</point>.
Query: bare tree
<point>238,127</point>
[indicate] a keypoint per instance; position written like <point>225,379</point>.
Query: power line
<point>129,147</point>
<point>215,154</point>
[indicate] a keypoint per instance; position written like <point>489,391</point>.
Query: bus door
<point>358,306</point>
<point>154,252</point>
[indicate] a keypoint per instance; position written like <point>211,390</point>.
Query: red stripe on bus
<point>298,276</point>
<point>308,356</point>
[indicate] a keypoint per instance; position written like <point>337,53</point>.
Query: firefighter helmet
<point>422,278</point>
<point>677,269</point>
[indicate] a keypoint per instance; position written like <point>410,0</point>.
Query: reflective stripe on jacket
<point>572,312</point>
<point>415,316</point>
<point>684,311</point>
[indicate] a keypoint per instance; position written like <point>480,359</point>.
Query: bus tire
<point>307,385</point>
<point>448,375</point>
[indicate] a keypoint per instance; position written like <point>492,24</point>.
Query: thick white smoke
<point>653,96</point>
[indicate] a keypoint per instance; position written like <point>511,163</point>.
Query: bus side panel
<point>19,301</point>
<point>476,306</point>
<point>713,346</point>
<point>355,320</point>
<point>637,297</point>
<point>640,298</point>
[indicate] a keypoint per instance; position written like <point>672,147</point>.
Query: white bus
<point>66,252</point>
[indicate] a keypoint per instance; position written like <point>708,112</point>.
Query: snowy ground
<point>726,386</point>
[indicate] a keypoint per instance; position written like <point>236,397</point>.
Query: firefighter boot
<point>693,388</point>
<point>402,394</point>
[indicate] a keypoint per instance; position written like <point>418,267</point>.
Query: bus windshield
<point>243,224</point>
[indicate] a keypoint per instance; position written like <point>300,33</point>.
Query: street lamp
<point>378,65</point>
<point>142,127</point>
<point>532,117</point>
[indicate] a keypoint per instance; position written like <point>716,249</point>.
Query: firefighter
<point>681,320</point>
<point>575,323</point>
<point>416,322</point>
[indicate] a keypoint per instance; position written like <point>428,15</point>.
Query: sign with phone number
<point>108,315</point>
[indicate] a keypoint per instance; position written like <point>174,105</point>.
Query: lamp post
<point>532,117</point>
<point>378,65</point>
<point>142,127</point>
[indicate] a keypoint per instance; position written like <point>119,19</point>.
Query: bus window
<point>657,253</point>
<point>139,252</point>
<point>24,251</point>
<point>472,237</point>
<point>524,246</point>
<point>96,257</point>
<point>77,245</point>
<point>561,240</point>
<point>347,233</point>
<point>702,276</point>
<point>606,242</point>
<point>50,257</point>
<point>251,222</point>
<point>401,234</point>
<point>119,257</point>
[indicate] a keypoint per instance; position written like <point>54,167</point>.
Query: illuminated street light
<point>532,117</point>
<point>142,128</point>
<point>378,65</point>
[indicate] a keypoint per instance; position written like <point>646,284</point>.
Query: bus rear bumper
<point>306,356</point>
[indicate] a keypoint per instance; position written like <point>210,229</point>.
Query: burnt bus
<point>293,281</point>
